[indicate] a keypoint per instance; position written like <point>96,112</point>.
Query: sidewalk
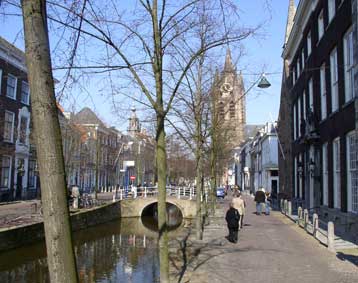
<point>28,212</point>
<point>270,249</point>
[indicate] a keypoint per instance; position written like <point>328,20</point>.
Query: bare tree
<point>142,48</point>
<point>61,259</point>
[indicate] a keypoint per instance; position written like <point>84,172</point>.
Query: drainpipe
<point>355,55</point>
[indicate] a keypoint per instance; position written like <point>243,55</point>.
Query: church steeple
<point>290,18</point>
<point>134,125</point>
<point>229,67</point>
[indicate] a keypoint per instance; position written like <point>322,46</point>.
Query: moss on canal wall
<point>18,236</point>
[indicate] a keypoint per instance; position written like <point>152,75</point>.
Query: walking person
<point>232,219</point>
<point>239,204</point>
<point>260,198</point>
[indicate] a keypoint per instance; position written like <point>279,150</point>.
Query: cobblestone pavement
<point>27,212</point>
<point>270,249</point>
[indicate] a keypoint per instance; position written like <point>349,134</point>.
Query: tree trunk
<point>60,254</point>
<point>162,212</point>
<point>199,185</point>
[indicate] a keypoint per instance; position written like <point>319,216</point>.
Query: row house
<point>91,151</point>
<point>320,87</point>
<point>17,160</point>
<point>259,161</point>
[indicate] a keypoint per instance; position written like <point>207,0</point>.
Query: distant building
<point>17,161</point>
<point>318,100</point>
<point>259,161</point>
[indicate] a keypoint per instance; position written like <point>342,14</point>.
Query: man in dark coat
<point>232,219</point>
<point>259,198</point>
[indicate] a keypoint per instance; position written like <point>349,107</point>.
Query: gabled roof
<point>87,116</point>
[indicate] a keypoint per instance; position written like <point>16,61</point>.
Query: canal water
<point>120,251</point>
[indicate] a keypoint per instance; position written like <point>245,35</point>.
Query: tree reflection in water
<point>121,251</point>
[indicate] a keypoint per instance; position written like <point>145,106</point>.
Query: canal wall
<point>14,237</point>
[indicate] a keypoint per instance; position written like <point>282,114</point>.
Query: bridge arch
<point>135,207</point>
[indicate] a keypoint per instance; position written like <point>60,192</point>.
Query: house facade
<point>321,89</point>
<point>17,159</point>
<point>259,161</point>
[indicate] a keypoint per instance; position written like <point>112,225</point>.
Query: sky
<point>263,53</point>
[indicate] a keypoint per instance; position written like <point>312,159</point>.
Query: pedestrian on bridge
<point>232,219</point>
<point>239,204</point>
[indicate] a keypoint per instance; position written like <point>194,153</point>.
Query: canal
<point>119,251</point>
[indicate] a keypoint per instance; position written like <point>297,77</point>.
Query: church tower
<point>230,102</point>
<point>134,125</point>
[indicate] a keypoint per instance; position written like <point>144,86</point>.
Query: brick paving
<point>270,249</point>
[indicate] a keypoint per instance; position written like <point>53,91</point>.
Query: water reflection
<point>123,251</point>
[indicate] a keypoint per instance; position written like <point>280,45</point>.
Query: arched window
<point>232,109</point>
<point>221,110</point>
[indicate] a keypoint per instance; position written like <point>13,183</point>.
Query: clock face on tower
<point>226,87</point>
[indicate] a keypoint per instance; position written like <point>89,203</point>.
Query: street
<point>270,249</point>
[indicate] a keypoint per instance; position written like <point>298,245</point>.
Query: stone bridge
<point>134,207</point>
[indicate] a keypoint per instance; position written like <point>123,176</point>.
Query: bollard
<point>315,224</point>
<point>281,204</point>
<point>121,194</point>
<point>330,236</point>
<point>145,192</point>
<point>179,193</point>
<point>285,206</point>
<point>114,197</point>
<point>299,213</point>
<point>190,193</point>
<point>305,218</point>
<point>289,208</point>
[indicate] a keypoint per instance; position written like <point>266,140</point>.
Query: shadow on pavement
<point>347,257</point>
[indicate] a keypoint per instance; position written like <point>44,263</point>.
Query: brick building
<point>17,162</point>
<point>319,88</point>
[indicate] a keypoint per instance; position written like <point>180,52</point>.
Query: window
<point>295,175</point>
<point>323,92</point>
<point>304,105</point>
<point>309,44</point>
<point>23,130</point>
<point>294,122</point>
<point>299,116</point>
<point>336,174</point>
<point>0,80</point>
<point>348,65</point>
<point>298,67</point>
<point>9,126</point>
<point>310,94</point>
<point>5,171</point>
<point>300,184</point>
<point>331,9</point>
<point>352,171</point>
<point>25,91</point>
<point>334,80</point>
<point>232,109</point>
<point>325,174</point>
<point>221,110</point>
<point>11,86</point>
<point>303,58</point>
<point>32,165</point>
<point>293,75</point>
<point>320,25</point>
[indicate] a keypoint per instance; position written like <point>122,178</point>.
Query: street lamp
<point>263,83</point>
